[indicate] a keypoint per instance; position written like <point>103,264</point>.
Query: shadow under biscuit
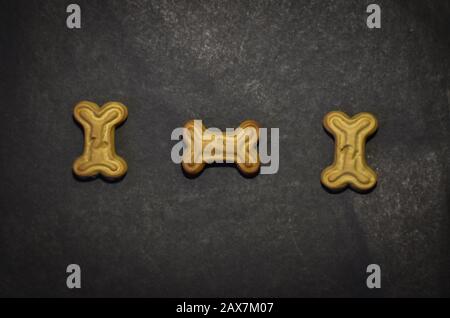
<point>220,165</point>
<point>338,191</point>
<point>98,176</point>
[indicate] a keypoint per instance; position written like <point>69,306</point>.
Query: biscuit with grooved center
<point>243,143</point>
<point>99,154</point>
<point>349,167</point>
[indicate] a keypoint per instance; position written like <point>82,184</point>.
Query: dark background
<point>282,63</point>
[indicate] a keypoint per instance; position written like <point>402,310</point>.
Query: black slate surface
<point>282,63</point>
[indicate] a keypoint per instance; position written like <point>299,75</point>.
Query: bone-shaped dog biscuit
<point>99,154</point>
<point>239,147</point>
<point>349,167</point>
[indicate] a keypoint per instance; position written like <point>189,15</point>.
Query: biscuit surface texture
<point>349,167</point>
<point>243,143</point>
<point>99,155</point>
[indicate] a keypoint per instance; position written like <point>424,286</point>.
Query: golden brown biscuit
<point>239,148</point>
<point>99,154</point>
<point>349,167</point>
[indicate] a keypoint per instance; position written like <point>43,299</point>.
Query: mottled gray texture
<point>282,63</point>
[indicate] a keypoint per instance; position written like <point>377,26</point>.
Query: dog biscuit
<point>99,154</point>
<point>239,148</point>
<point>349,167</point>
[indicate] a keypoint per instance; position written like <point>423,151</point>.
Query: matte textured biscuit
<point>349,167</point>
<point>99,154</point>
<point>247,161</point>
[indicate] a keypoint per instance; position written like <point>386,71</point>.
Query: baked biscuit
<point>239,148</point>
<point>99,154</point>
<point>349,167</point>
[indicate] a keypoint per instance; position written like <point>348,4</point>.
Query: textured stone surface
<point>282,63</point>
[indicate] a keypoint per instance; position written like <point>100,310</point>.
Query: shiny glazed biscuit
<point>99,154</point>
<point>349,167</point>
<point>239,148</point>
